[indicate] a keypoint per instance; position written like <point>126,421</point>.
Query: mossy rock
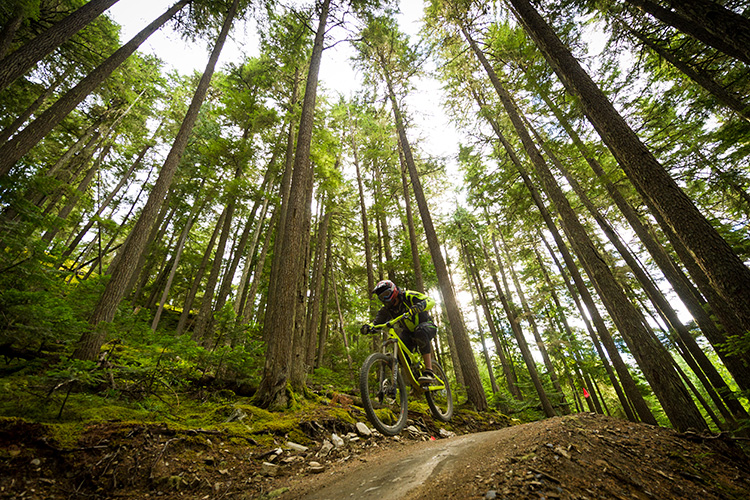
<point>58,435</point>
<point>341,414</point>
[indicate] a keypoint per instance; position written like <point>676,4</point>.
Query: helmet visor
<point>387,296</point>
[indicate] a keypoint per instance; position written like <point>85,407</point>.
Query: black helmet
<point>387,291</point>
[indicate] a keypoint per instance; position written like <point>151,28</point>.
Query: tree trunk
<point>679,282</point>
<point>413,242</point>
<point>341,322</point>
<point>8,33</point>
<point>31,109</point>
<point>706,21</point>
<point>622,370</point>
<point>175,265</point>
<point>203,331</point>
<point>657,298</point>
<point>365,222</point>
<point>259,265</point>
<point>650,354</point>
<point>512,314</point>
<point>470,274</point>
<point>382,222</point>
<point>20,61</point>
<point>568,332</point>
<point>279,321</point>
<point>317,285</point>
<point>284,189</point>
<point>624,387</point>
<point>703,79</point>
<point>322,331</point>
<point>451,340</point>
<point>187,305</point>
<point>510,376</point>
<point>528,313</point>
<point>21,143</point>
<point>242,288</point>
<point>91,341</point>
<point>724,269</point>
<point>475,391</point>
<point>298,368</point>
<point>147,260</point>
<point>104,204</point>
<point>73,198</point>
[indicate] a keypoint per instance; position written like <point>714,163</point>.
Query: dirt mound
<point>588,456</point>
<point>581,456</point>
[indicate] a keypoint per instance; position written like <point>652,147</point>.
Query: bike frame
<point>406,358</point>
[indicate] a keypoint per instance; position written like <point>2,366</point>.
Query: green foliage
<point>333,380</point>
<point>737,345</point>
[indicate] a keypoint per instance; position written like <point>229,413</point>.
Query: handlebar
<point>393,321</point>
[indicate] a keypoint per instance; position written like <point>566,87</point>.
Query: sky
<point>429,124</point>
<point>437,136</point>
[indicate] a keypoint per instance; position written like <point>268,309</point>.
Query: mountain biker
<point>418,329</point>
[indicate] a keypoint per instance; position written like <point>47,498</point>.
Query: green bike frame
<point>409,361</point>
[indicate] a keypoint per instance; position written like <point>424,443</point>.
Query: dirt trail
<point>581,457</point>
<point>577,457</point>
<point>395,473</point>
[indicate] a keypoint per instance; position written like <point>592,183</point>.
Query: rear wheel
<point>440,401</point>
<point>384,399</point>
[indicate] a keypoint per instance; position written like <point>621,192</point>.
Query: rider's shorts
<point>421,337</point>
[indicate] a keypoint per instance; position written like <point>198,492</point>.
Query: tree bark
<point>510,376</point>
<point>203,331</point>
<point>523,346</point>
<point>413,242</point>
<point>625,387</point>
<point>650,354</point>
<point>724,269</point>
<point>341,323</point>
<point>259,265</point>
<point>695,354</point>
<point>323,329</point>
<point>8,33</point>
<point>475,391</point>
<point>470,274</point>
<point>528,313</point>
<point>365,222</point>
<point>706,21</point>
<point>176,263</point>
<point>279,321</point>
<point>317,285</point>
<point>622,370</point>
<point>679,282</point>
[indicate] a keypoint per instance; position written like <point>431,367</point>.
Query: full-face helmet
<point>387,291</point>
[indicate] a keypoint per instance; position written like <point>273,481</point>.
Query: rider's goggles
<point>388,296</point>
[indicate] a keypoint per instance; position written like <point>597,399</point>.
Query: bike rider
<point>418,330</point>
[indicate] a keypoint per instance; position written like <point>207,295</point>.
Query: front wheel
<point>384,399</point>
<point>440,401</point>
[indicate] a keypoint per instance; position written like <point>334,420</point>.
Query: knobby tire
<point>440,402</point>
<point>378,394</point>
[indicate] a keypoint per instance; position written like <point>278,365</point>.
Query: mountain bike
<point>383,378</point>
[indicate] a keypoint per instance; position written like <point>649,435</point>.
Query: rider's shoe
<point>427,377</point>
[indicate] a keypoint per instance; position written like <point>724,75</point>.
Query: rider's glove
<point>366,329</point>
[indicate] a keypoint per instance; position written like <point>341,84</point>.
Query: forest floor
<point>581,456</point>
